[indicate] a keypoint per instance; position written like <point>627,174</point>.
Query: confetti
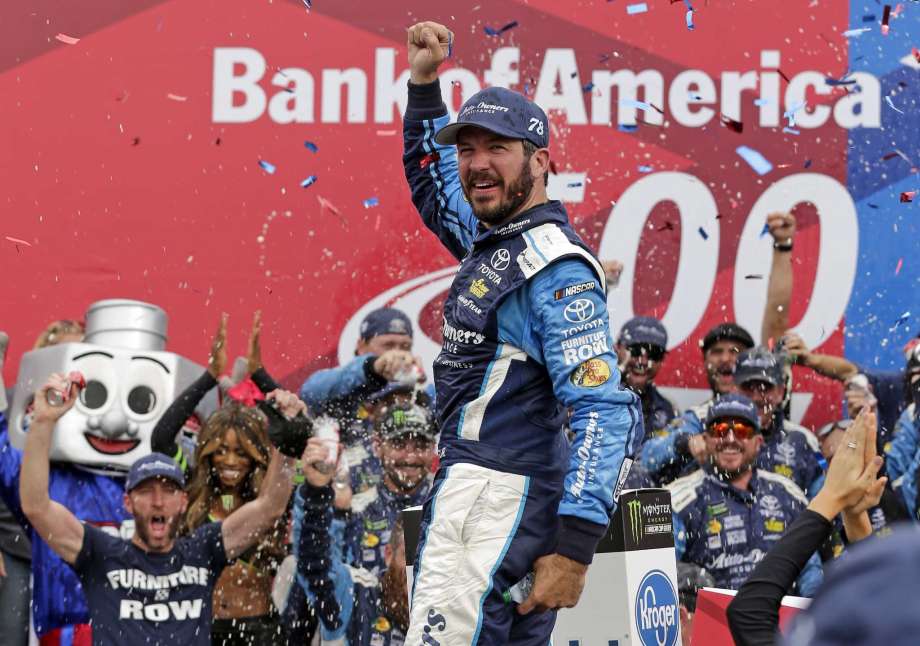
<point>573,185</point>
<point>856,32</point>
<point>897,153</point>
<point>754,159</point>
<point>450,44</point>
<point>807,163</point>
<point>498,32</point>
<point>841,81</point>
<point>308,182</point>
<point>790,113</point>
<point>871,205</point>
<point>308,4</point>
<point>645,169</point>
<point>668,226</point>
<point>891,104</point>
<point>18,241</point>
<point>897,10</point>
<point>791,131</point>
<point>386,133</point>
<point>869,17</point>
<point>731,124</point>
<point>886,14</point>
<point>754,277</point>
<point>312,147</point>
<point>623,127</point>
<point>268,167</point>
<point>428,159</point>
<point>67,40</point>
<point>901,319</point>
<point>633,9</point>
<point>765,230</point>
<point>897,270</point>
<point>916,53</point>
<point>371,202</point>
<point>136,141</point>
<point>641,105</point>
<point>690,24</point>
<point>176,97</point>
<point>587,87</point>
<point>326,204</point>
<point>908,196</point>
<point>703,233</point>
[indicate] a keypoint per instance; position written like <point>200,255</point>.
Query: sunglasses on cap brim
<point>741,430</point>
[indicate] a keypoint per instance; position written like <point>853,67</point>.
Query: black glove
<point>289,436</point>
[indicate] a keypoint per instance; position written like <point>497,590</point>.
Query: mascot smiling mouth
<point>109,446</point>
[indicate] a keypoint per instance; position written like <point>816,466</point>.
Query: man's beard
<point>725,475</point>
<point>402,483</point>
<point>140,526</point>
<point>516,194</point>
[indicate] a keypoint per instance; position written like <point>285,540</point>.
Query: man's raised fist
<point>429,44</point>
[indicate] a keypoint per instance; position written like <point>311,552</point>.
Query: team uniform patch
<point>591,374</point>
<point>572,290</point>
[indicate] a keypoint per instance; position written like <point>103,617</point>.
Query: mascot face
<point>126,393</point>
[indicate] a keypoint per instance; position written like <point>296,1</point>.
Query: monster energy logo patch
<point>399,417</point>
<point>635,518</point>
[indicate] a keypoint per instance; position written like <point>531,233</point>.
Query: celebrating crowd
<point>277,521</point>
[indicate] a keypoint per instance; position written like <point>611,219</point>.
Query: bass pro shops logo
<point>656,610</point>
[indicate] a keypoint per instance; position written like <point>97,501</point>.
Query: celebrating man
<point>525,336</point>
<point>152,589</point>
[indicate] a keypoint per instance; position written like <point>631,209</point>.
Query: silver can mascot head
<point>130,381</point>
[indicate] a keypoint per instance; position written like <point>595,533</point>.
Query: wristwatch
<point>785,245</point>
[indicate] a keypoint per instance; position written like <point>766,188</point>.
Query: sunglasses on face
<point>740,430</point>
<point>653,352</point>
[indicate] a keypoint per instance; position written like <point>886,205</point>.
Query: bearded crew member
<point>525,336</point>
<point>153,589</point>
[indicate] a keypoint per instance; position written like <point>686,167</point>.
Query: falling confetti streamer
<point>633,9</point>
<point>67,40</point>
<point>312,147</point>
<point>853,33</point>
<point>886,15</point>
<point>901,319</point>
<point>891,104</point>
<point>755,160</point>
<point>310,181</point>
<point>897,270</point>
<point>176,97</point>
<point>703,233</point>
<point>386,133</point>
<point>573,185</point>
<point>371,202</point>
<point>498,32</point>
<point>268,167</point>
<point>18,241</point>
<point>908,196</point>
<point>645,169</point>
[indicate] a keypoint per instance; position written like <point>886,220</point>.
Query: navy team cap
<point>759,364</point>
<point>733,406</point>
<point>502,111</point>
<point>155,465</point>
<point>644,329</point>
<point>386,320</point>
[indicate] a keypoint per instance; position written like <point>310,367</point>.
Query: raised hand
<point>315,456</point>
<point>44,411</point>
<point>429,44</point>
<point>289,404</point>
<point>781,226</point>
<point>254,353</point>
<point>217,361</point>
<point>394,363</point>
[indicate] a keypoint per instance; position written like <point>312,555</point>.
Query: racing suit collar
<point>551,211</point>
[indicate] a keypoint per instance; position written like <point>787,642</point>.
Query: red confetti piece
<point>18,241</point>
<point>730,123</point>
<point>67,40</point>
<point>326,204</point>
<point>386,133</point>
<point>428,159</point>
<point>176,97</point>
<point>897,270</point>
<point>908,196</point>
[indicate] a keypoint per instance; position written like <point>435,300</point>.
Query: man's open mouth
<point>110,447</point>
<point>158,525</point>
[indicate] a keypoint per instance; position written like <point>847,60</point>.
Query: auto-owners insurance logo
<point>656,610</point>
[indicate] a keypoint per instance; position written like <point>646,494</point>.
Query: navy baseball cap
<point>502,111</point>
<point>399,421</point>
<point>865,597</point>
<point>386,320</point>
<point>155,465</point>
<point>389,389</point>
<point>643,329</point>
<point>727,332</point>
<point>759,364</point>
<point>734,406</point>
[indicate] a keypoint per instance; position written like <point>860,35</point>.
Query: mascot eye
<point>141,400</point>
<point>94,395</point>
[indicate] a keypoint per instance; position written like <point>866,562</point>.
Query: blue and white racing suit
<point>526,335</point>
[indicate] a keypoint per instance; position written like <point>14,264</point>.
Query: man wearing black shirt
<point>153,589</point>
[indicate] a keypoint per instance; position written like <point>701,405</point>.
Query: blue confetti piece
<point>901,319</point>
<point>762,102</point>
<point>573,185</point>
<point>869,18</point>
<point>633,103</point>
<point>703,233</point>
<point>645,169</point>
<point>791,131</point>
<point>623,127</point>
<point>633,9</point>
<point>587,87</point>
<point>765,230</point>
<point>371,202</point>
<point>838,82</point>
<point>807,163</point>
<point>695,97</point>
<point>268,167</point>
<point>308,3</point>
<point>450,44</point>
<point>856,32</point>
<point>891,104</point>
<point>308,182</point>
<point>498,32</point>
<point>690,20</point>
<point>754,159</point>
<point>312,147</point>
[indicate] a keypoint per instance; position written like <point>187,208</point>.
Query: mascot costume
<point>130,381</point>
